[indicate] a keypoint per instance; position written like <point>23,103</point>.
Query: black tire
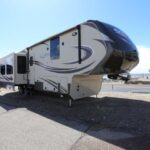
<point>21,90</point>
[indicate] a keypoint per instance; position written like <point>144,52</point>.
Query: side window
<point>55,48</point>
<point>3,69</point>
<point>21,64</point>
<point>9,69</point>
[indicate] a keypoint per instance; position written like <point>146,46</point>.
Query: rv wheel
<point>27,91</point>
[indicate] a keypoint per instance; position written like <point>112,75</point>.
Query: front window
<point>121,40</point>
<point>55,49</point>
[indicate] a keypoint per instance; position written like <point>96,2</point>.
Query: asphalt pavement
<point>44,122</point>
<point>121,87</point>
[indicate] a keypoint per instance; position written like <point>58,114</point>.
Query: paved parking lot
<point>111,121</point>
<point>130,88</point>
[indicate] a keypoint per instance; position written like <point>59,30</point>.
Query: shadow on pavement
<point>117,114</point>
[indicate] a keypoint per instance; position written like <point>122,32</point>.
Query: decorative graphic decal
<point>91,24</point>
<point>55,85</point>
<point>88,53</point>
<point>6,78</point>
<point>102,42</point>
<point>62,70</point>
<point>49,67</point>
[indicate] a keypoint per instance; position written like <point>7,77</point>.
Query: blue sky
<point>25,22</point>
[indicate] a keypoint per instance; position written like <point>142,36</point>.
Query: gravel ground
<point>111,121</point>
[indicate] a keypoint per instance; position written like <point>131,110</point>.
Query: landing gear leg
<point>70,102</point>
<point>13,88</point>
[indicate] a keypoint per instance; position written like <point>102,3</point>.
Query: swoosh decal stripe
<point>57,70</point>
<point>91,24</point>
<point>88,53</point>
<point>102,42</point>
<point>55,85</point>
<point>48,67</point>
<point>6,78</point>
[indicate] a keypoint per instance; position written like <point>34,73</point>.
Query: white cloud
<point>144,64</point>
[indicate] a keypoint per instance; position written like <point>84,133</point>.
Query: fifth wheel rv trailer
<point>72,62</point>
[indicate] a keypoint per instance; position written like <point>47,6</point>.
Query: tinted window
<point>21,64</point>
<point>121,39</point>
<point>9,69</point>
<point>55,49</point>
<point>3,69</point>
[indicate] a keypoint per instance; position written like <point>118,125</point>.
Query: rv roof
<point>53,36</point>
<point>7,56</point>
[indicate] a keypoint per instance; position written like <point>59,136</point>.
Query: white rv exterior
<point>64,73</point>
<point>11,72</point>
<point>72,62</point>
